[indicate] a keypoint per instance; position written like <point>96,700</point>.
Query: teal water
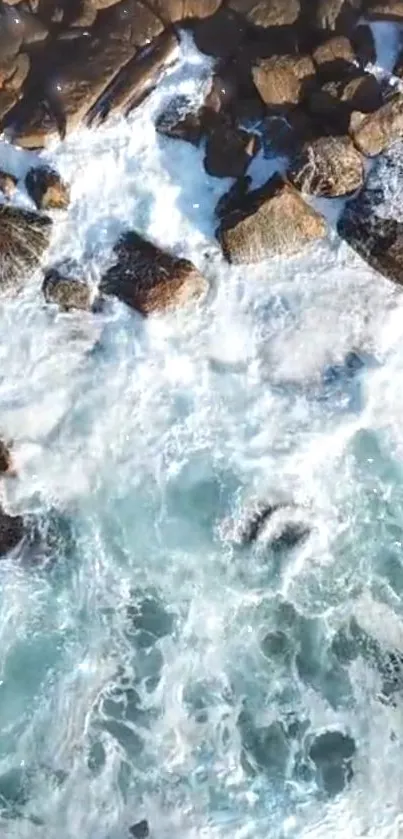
<point>151,665</point>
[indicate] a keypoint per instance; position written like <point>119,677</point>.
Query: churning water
<point>154,667</point>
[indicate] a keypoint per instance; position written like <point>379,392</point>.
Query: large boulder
<point>271,221</point>
<point>337,15</point>
<point>281,80</point>
<point>374,133</point>
<point>65,286</point>
<point>24,236</point>
<point>328,167</point>
<point>335,57</point>
<point>370,222</point>
<point>149,279</point>
<point>268,14</point>
<point>47,189</point>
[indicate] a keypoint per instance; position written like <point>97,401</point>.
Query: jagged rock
<point>271,221</point>
<point>140,830</point>
<point>385,10</point>
<point>374,133</point>
<point>180,122</point>
<point>11,532</point>
<point>149,279</point>
<point>328,167</point>
<point>275,13</point>
<point>47,189</point>
<point>8,183</point>
<point>281,79</point>
<point>229,151</point>
<point>368,224</point>
<point>335,57</point>
<point>332,753</point>
<point>338,15</point>
<point>64,285</point>
<point>23,238</point>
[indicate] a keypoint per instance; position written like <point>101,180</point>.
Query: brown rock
<point>23,238</point>
<point>149,279</point>
<point>19,73</point>
<point>6,462</point>
<point>271,221</point>
<point>229,151</point>
<point>267,14</point>
<point>335,57</point>
<point>385,10</point>
<point>11,532</point>
<point>280,79</point>
<point>33,127</point>
<point>328,167</point>
<point>173,11</point>
<point>8,183</point>
<point>374,133</point>
<point>63,285</point>
<point>362,93</point>
<point>47,189</point>
<point>338,15</point>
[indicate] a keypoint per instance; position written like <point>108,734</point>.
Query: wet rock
<point>220,35</point>
<point>140,830</point>
<point>280,80</point>
<point>335,57</point>
<point>65,286</point>
<point>6,462</point>
<point>332,753</point>
<point>277,645</point>
<point>256,520</point>
<point>289,536</point>
<point>270,221</point>
<point>337,15</point>
<point>11,532</point>
<point>8,183</point>
<point>374,133</point>
<point>329,167</point>
<point>24,236</point>
<point>231,199</point>
<point>47,189</point>
<point>385,10</point>
<point>333,104</point>
<point>149,279</point>
<point>276,13</point>
<point>229,151</point>
<point>363,41</point>
<point>180,122</point>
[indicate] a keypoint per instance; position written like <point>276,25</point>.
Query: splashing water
<point>156,668</point>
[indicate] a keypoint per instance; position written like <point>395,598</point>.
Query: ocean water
<point>151,665</point>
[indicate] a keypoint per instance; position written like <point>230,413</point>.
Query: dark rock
<point>338,15</point>
<point>180,122</point>
<point>362,92</point>
<point>149,279</point>
<point>329,167</point>
<point>251,529</point>
<point>281,80</point>
<point>270,221</point>
<point>231,199</point>
<point>148,614</point>
<point>377,239</point>
<point>332,105</point>
<point>335,58</point>
<point>220,35</point>
<point>385,10</point>
<point>140,830</point>
<point>363,43</point>
<point>332,753</point>
<point>276,13</point>
<point>6,461</point>
<point>229,151</point>
<point>289,536</point>
<point>63,285</point>
<point>8,183</point>
<point>374,133</point>
<point>23,238</point>
<point>47,189</point>
<point>11,532</point>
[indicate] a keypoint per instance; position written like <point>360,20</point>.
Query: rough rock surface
<point>385,10</point>
<point>271,221</point>
<point>149,279</point>
<point>64,286</point>
<point>280,79</point>
<point>47,189</point>
<point>337,15</point>
<point>262,13</point>
<point>374,133</point>
<point>329,167</point>
<point>229,151</point>
<point>24,236</point>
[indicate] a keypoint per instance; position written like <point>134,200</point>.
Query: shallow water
<point>152,666</point>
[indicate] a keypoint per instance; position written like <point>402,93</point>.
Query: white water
<point>144,440</point>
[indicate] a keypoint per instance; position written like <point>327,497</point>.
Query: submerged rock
<point>140,830</point>
<point>149,279</point>
<point>328,167</point>
<point>24,236</point>
<point>64,285</point>
<point>332,753</point>
<point>271,221</point>
<point>47,189</point>
<point>180,122</point>
<point>12,532</point>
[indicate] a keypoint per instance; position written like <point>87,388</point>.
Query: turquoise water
<point>153,666</point>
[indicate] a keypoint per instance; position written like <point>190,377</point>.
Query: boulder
<point>180,122</point>
<point>140,830</point>
<point>149,279</point>
<point>368,222</point>
<point>332,105</point>
<point>281,80</point>
<point>220,35</point>
<point>229,150</point>
<point>329,167</point>
<point>8,183</point>
<point>261,13</point>
<point>24,236</point>
<point>6,462</point>
<point>374,133</point>
<point>337,15</point>
<point>47,189</point>
<point>271,221</point>
<point>12,532</point>
<point>64,285</point>
<point>335,58</point>
<point>385,10</point>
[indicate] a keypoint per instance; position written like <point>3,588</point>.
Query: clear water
<point>137,678</point>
